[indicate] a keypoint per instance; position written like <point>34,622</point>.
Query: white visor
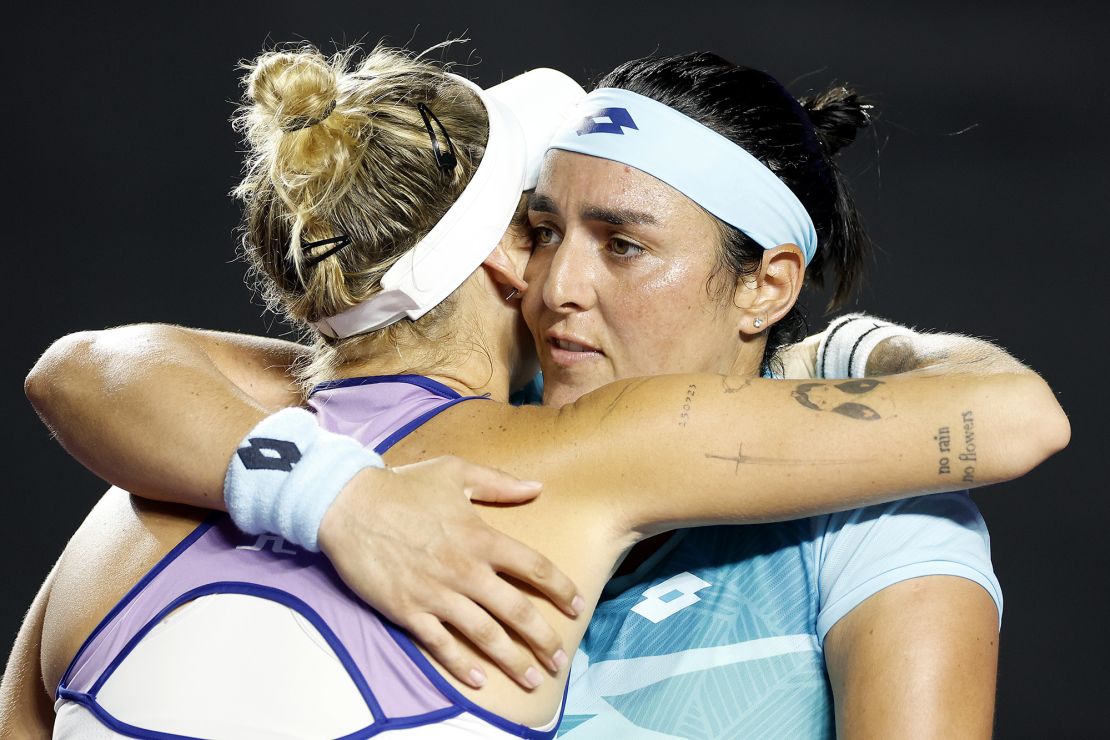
<point>524,114</point>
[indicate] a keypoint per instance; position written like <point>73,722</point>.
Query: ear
<point>775,290</point>
<point>504,271</point>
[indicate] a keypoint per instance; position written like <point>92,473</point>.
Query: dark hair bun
<point>837,114</point>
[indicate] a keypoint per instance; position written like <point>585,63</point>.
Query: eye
<point>624,249</point>
<point>544,236</point>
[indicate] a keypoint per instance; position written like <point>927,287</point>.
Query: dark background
<point>984,184</point>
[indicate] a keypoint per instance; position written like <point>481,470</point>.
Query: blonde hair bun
<point>293,90</point>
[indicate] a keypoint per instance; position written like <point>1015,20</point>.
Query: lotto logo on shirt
<point>670,597</point>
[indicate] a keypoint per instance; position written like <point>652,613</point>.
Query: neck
<point>749,357</point>
<point>471,357</point>
<point>473,376</point>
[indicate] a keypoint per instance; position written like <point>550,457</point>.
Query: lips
<point>570,346</point>
<point>567,351</point>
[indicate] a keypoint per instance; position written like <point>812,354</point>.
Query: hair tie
<point>302,122</point>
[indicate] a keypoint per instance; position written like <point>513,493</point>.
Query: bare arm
<point>767,449</point>
<point>916,660</point>
<point>159,410</point>
<point>26,707</point>
<point>803,448</point>
<point>136,404</point>
<point>900,354</point>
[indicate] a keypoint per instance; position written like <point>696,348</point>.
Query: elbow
<point>87,365</point>
<point>1047,429</point>
<point>1055,429</point>
<point>56,372</point>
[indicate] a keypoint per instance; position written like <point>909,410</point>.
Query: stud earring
<point>512,293</point>
<point>758,323</point>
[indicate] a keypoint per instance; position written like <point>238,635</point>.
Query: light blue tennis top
<point>719,634</point>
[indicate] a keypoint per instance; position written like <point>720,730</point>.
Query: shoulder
<point>862,551</point>
<point>119,541</point>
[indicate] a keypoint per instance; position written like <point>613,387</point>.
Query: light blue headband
<point>698,162</point>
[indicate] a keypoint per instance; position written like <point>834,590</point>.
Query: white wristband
<point>849,341</point>
<point>287,472</point>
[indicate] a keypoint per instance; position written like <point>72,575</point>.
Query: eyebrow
<point>542,203</point>
<point>613,216</point>
<point>617,216</point>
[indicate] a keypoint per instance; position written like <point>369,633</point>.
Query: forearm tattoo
<point>731,386</point>
<point>741,459</point>
<point>819,397</point>
<point>965,460</point>
<point>687,404</point>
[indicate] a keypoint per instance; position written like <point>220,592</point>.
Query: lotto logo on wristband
<point>263,453</point>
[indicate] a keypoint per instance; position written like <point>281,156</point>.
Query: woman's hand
<point>799,360</point>
<point>409,544</point>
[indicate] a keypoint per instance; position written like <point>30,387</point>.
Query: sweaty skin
<point>617,255</point>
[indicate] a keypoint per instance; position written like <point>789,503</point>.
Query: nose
<point>568,285</point>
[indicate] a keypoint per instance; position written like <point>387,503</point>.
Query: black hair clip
<point>445,160</point>
<point>340,242</point>
<point>290,269</point>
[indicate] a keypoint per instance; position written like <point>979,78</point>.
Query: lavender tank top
<point>399,685</point>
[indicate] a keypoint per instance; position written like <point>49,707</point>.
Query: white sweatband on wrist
<point>849,341</point>
<point>287,472</point>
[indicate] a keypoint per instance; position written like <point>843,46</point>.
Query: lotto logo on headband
<point>706,167</point>
<point>607,121</point>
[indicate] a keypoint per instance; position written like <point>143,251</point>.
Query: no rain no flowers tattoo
<point>967,458</point>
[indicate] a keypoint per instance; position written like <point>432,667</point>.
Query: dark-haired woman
<point>623,461</point>
<point>888,614</point>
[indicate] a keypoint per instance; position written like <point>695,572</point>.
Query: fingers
<point>525,564</point>
<point>490,637</point>
<point>427,630</point>
<point>483,483</point>
<point>518,613</point>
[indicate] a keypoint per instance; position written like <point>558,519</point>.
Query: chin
<point>561,395</point>
<point>563,385</point>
